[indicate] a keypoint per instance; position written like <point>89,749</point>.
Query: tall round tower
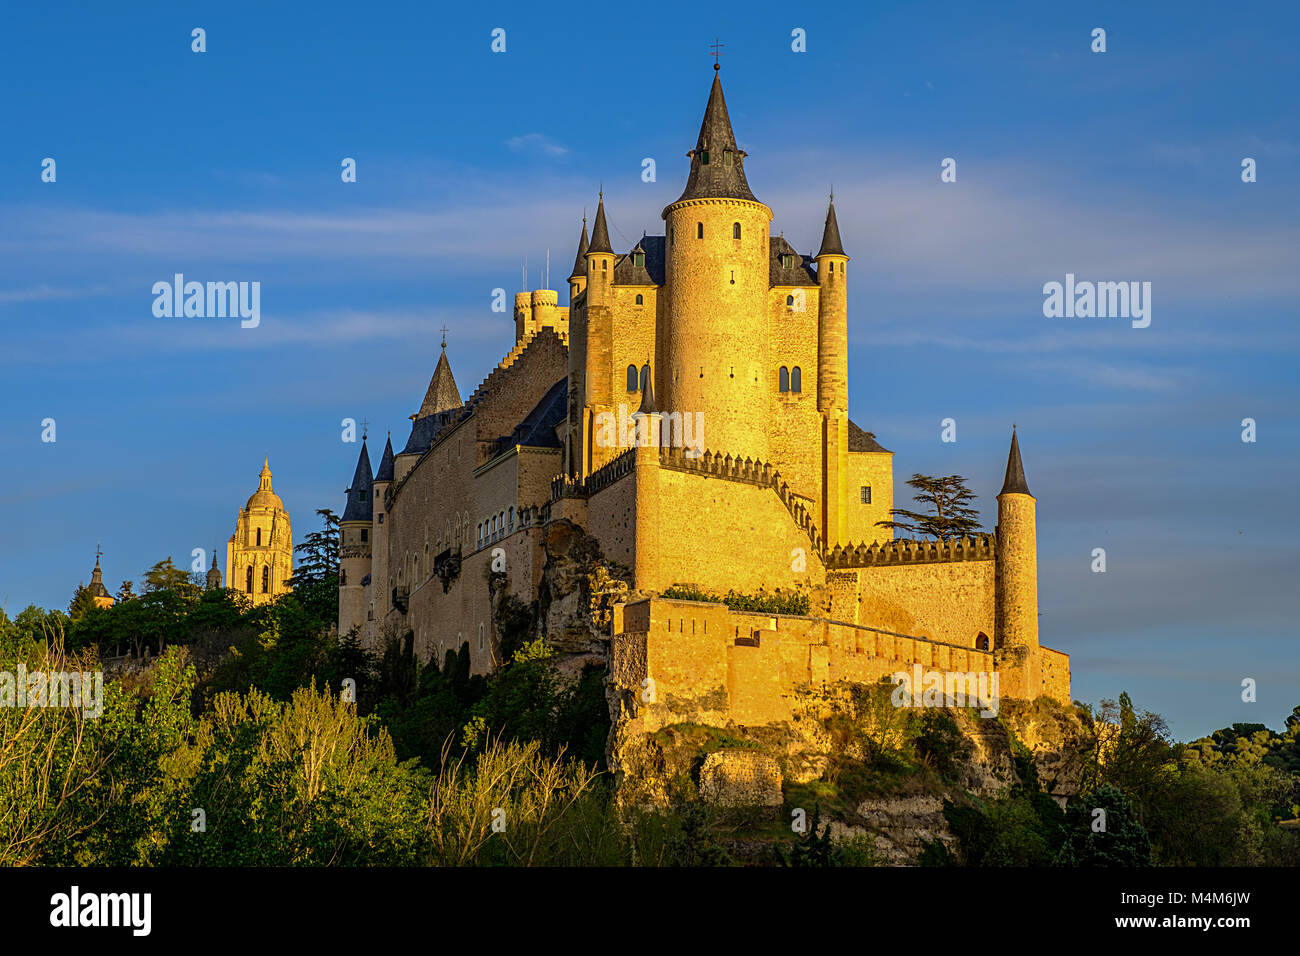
<point>832,319</point>
<point>715,358</point>
<point>1016,578</point>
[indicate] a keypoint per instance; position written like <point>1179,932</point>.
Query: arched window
<point>735,230</point>
<point>645,377</point>
<point>640,299</point>
<point>796,380</point>
<point>789,301</point>
<point>699,230</point>
<point>631,378</point>
<point>783,383</point>
<point>982,642</point>
<point>343,576</point>
<point>259,537</point>
<point>512,517</point>
<point>266,579</point>
<point>248,580</point>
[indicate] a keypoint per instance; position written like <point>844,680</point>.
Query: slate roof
<point>580,262</point>
<point>860,440</point>
<point>600,231</point>
<point>831,245</point>
<point>654,270</point>
<point>537,430</point>
<point>385,472</point>
<point>803,272</point>
<point>1015,480</point>
<point>360,506</point>
<point>715,179</point>
<point>442,393</point>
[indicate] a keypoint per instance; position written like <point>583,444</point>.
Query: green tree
<point>82,603</point>
<point>949,515</point>
<point>315,581</point>
<point>165,576</point>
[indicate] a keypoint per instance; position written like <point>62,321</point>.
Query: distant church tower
<point>259,555</point>
<point>97,590</point>
<point>213,581</point>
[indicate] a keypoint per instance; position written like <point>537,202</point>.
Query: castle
<point>688,412</point>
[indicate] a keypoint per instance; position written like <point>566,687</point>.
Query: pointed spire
<point>359,494</point>
<point>831,245</point>
<point>1015,480</point>
<point>442,393</point>
<point>385,472</point>
<point>580,263</point>
<point>647,394</point>
<point>717,163</point>
<point>264,478</point>
<point>599,233</point>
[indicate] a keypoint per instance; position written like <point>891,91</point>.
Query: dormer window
<point>704,157</point>
<point>787,261</point>
<point>638,258</point>
<point>727,159</point>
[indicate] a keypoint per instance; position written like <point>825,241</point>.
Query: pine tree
<point>950,517</point>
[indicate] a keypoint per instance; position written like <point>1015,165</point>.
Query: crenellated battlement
<point>980,547</point>
<point>750,471</point>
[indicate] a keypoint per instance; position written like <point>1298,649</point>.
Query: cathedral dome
<point>264,496</point>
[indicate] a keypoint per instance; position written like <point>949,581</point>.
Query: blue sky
<point>1123,165</point>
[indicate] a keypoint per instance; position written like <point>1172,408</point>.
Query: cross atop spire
<point>717,52</point>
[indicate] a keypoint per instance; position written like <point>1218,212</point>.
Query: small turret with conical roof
<point>354,543</point>
<point>578,277</point>
<point>1015,598</point>
<point>359,502</point>
<point>599,231</point>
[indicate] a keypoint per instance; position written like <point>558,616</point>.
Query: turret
<point>354,545</point>
<point>715,354</point>
<point>1016,577</point>
<point>598,348</point>
<point>578,278</point>
<point>832,319</point>
<point>377,595</point>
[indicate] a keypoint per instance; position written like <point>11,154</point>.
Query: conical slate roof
<point>831,245</point>
<point>385,472</point>
<point>361,491</point>
<point>442,394</point>
<point>1015,480</point>
<point>647,394</point>
<point>715,174</point>
<point>580,262</point>
<point>599,233</point>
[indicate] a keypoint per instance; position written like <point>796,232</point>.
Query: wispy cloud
<point>537,144</point>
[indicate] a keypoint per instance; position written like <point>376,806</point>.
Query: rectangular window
<point>866,494</point>
<point>365,535</point>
